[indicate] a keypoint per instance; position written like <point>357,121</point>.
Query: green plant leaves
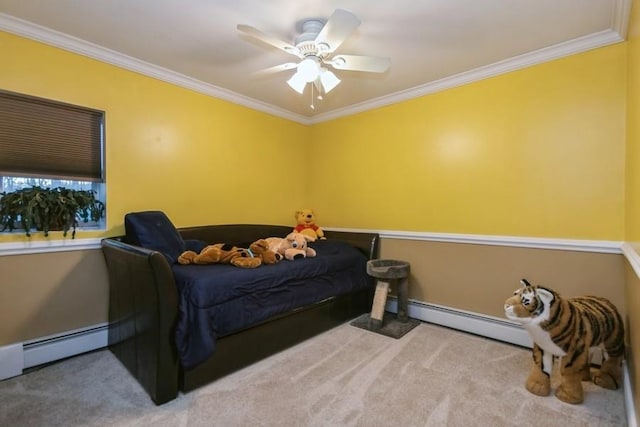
<point>46,209</point>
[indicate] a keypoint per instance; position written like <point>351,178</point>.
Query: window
<point>12,183</point>
<point>50,144</point>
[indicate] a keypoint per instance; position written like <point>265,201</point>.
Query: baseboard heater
<point>483,325</point>
<point>478,324</point>
<point>17,357</point>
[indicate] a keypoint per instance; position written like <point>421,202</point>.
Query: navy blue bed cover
<point>220,299</point>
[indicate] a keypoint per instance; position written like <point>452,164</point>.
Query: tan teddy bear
<point>306,219</point>
<point>292,247</point>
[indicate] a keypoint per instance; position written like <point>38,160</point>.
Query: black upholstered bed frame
<point>143,310</point>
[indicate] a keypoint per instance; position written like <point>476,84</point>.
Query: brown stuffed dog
<point>260,249</point>
<point>223,253</point>
<point>291,247</point>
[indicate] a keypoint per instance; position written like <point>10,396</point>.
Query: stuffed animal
<point>223,253</point>
<point>306,219</point>
<point>566,329</point>
<point>260,249</point>
<point>292,247</point>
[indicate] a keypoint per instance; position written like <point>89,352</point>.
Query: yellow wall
<point>200,159</point>
<point>536,152</point>
<point>633,129</point>
<point>632,203</point>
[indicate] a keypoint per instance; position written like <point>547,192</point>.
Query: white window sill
<point>49,245</point>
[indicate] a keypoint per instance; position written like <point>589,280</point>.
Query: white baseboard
<point>16,357</point>
<point>479,324</point>
<point>11,361</point>
<point>495,328</point>
<point>632,420</point>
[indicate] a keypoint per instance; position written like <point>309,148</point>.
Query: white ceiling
<point>432,44</point>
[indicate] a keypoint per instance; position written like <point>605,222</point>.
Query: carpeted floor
<point>348,376</point>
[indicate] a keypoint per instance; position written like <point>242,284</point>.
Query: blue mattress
<point>218,300</point>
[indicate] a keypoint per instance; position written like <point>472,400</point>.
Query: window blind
<point>44,138</point>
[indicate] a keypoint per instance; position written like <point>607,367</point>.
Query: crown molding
<point>619,24</point>
<point>581,44</point>
<point>621,13</point>
<point>60,40</point>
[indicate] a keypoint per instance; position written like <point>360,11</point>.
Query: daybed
<point>176,327</point>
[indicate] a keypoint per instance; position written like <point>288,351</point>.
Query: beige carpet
<point>348,376</point>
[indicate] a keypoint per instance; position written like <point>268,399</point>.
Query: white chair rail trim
<point>599,246</point>
<point>632,257</point>
<point>43,246</point>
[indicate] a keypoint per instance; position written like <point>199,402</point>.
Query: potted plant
<point>47,209</point>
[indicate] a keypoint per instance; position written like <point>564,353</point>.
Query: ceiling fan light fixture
<point>318,39</point>
<point>329,80</point>
<point>297,83</point>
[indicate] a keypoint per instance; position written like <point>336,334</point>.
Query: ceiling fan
<point>315,46</point>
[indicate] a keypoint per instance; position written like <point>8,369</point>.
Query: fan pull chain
<point>313,107</point>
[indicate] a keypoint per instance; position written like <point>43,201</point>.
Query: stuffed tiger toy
<point>567,328</point>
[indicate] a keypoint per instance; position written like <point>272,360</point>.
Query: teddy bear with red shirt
<point>306,219</point>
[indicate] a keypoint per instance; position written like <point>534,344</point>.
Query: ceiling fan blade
<point>371,64</point>
<point>276,69</point>
<point>282,45</point>
<point>339,26</point>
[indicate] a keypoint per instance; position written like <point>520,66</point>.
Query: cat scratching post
<point>379,303</point>
<point>394,274</point>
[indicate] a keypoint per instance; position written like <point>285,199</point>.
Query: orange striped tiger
<point>567,328</point>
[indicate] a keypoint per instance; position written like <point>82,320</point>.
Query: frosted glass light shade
<point>297,83</point>
<point>309,68</point>
<point>329,81</point>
